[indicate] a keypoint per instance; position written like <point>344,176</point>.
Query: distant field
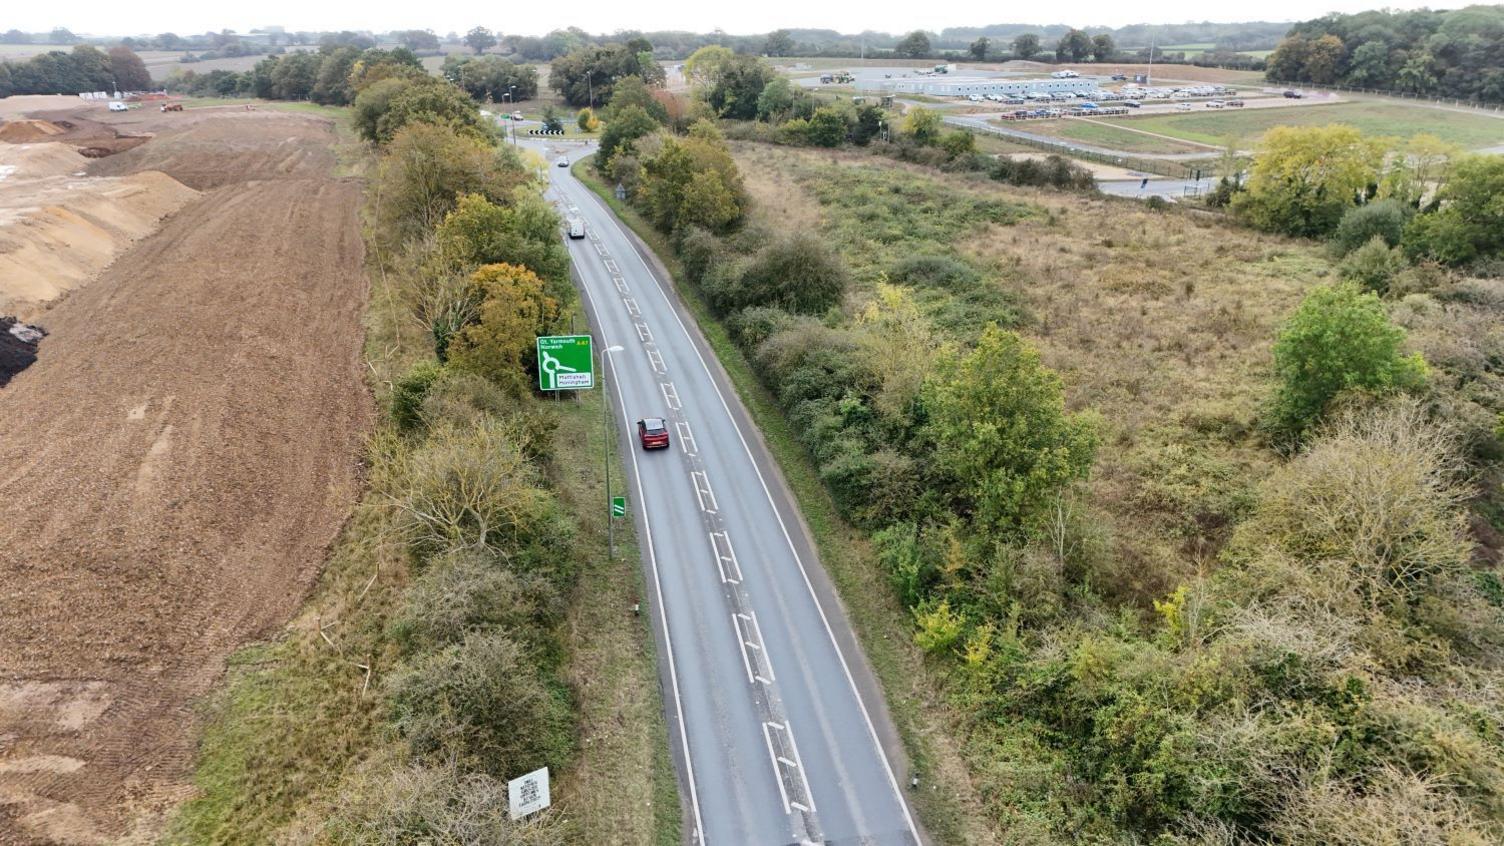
<point>1257,54</point>
<point>1472,131</point>
<point>1111,137</point>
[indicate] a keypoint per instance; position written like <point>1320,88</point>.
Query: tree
<point>626,126</point>
<point>1382,219</point>
<point>587,76</point>
<point>1304,178</point>
<point>431,101</point>
<point>779,43</point>
<point>1469,222</point>
<point>737,86</point>
<point>129,71</point>
<point>915,45</point>
<point>1338,340</point>
<point>63,36</point>
<point>480,39</point>
<point>704,65</point>
<point>425,169</point>
<point>522,231</point>
<point>493,78</point>
<point>922,124</point>
<point>1075,45</point>
<point>587,121</point>
<point>979,48</point>
<point>1026,46</point>
<point>997,417</point>
<point>776,102</point>
<point>632,91</point>
<point>1324,59</point>
<point>1102,47</point>
<point>418,40</point>
<point>514,310</point>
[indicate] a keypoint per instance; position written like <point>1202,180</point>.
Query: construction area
<point>183,446</point>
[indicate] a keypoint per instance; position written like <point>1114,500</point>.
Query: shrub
<point>938,627</point>
<point>958,143</point>
<point>1470,223</point>
<point>1383,219</point>
<point>800,274</point>
<point>1373,265</point>
<point>438,805</point>
<point>472,488</point>
<point>698,250</point>
<point>751,326</point>
<point>409,392</point>
<point>466,591</point>
<point>1338,340</point>
<point>933,271</point>
<point>826,128</point>
<point>481,703</point>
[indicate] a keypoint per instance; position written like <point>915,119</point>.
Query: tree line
<point>84,68</point>
<point>1439,53</point>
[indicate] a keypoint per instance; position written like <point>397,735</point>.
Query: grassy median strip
<point>946,801</point>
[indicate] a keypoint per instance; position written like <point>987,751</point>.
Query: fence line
<point>1163,167</point>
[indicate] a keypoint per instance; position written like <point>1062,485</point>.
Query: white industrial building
<point>962,86</point>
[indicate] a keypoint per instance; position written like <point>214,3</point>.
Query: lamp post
<point>606,451</point>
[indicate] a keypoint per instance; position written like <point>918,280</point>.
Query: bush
<point>468,591</point>
<point>751,326</point>
<point>481,703</point>
<point>473,488</point>
<point>933,271</point>
<point>1373,265</point>
<point>440,805</point>
<point>800,274</point>
<point>1383,219</point>
<point>409,392</point>
<point>1340,339</point>
<point>958,143</point>
<point>698,250</point>
<point>500,344</point>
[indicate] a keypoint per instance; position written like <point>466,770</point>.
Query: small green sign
<point>618,506</point>
<point>565,363</point>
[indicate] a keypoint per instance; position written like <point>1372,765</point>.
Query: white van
<point>576,227</point>
<point>117,106</point>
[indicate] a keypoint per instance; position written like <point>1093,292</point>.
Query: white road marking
<point>632,308</point>
<point>687,439</point>
<point>725,560</point>
<point>703,492</point>
<point>643,332</point>
<point>795,765</point>
<point>655,358</point>
<point>750,634</point>
<point>783,526</point>
<point>621,285</point>
<point>671,396</point>
<point>611,266</point>
<point>600,248</point>
<point>698,835</point>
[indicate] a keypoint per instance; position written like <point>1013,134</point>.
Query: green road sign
<point>565,363</point>
<point>618,506</point>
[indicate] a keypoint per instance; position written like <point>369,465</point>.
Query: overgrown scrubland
<point>1195,536</point>
<point>468,627</point>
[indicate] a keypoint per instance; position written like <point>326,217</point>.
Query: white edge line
<point>647,528</point>
<point>850,679</point>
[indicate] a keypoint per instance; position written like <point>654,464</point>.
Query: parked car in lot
<point>653,433</point>
<point>1214,104</point>
<point>1089,106</point>
<point>1133,104</point>
<point>1235,104</point>
<point>1184,107</point>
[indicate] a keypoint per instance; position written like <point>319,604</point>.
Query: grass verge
<point>946,803</point>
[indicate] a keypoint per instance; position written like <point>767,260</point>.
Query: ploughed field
<point>178,458</point>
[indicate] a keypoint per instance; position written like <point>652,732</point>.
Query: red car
<point>653,432</point>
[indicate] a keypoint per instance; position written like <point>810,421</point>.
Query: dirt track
<point>173,468</point>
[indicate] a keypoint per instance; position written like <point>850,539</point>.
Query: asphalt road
<point>774,742</point>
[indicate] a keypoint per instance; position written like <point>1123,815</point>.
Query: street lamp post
<point>606,452</point>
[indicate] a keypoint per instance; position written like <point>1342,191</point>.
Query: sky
<point>94,17</point>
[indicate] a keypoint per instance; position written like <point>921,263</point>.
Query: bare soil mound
<point>27,131</point>
<point>58,233</point>
<point>173,469</point>
<point>32,161</point>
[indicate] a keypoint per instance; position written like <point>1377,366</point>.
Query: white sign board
<point>528,794</point>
